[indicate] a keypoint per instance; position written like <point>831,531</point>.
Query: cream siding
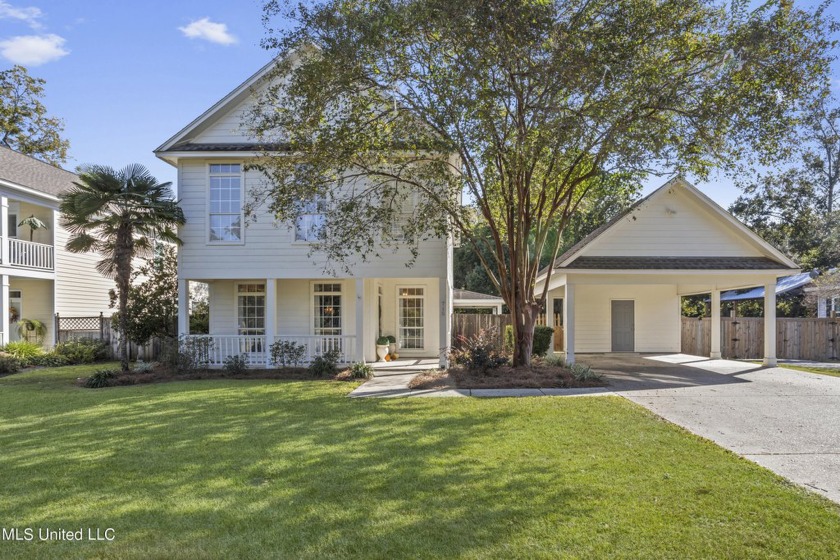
<point>657,313</point>
<point>269,249</point>
<point>36,303</point>
<point>79,288</point>
<point>672,224</point>
<point>227,128</point>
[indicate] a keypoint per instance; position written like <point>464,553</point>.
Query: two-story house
<point>264,285</point>
<point>38,276</point>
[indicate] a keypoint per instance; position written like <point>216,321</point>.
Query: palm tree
<point>119,215</point>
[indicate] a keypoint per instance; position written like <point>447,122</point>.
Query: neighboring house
<point>825,293</point>
<point>40,278</point>
<point>264,286</point>
<point>622,284</point>
<point>466,301</point>
<point>786,287</point>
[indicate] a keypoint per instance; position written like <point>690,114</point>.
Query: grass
<point>289,469</point>
<point>834,372</point>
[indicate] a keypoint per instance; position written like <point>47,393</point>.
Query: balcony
<point>28,254</point>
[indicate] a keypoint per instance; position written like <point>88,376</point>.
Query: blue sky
<point>127,75</point>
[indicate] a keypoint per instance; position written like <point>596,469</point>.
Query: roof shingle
<point>33,173</point>
<point>674,263</point>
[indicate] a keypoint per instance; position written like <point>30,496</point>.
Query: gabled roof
<point>28,172</point>
<point>226,103</point>
<point>574,258</point>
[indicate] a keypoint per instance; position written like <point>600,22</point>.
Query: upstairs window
<point>310,224</point>
<point>225,203</point>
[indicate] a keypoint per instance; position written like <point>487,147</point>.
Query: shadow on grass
<point>263,467</point>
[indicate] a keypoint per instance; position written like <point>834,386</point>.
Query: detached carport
<point>622,285</point>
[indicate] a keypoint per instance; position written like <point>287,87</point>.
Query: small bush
<point>142,367</point>
<point>361,371</point>
<point>24,351</point>
<point>100,378</point>
<point>325,364</point>
<point>186,355</point>
<point>286,353</point>
<point>9,364</point>
<point>49,359</point>
<point>543,336</point>
<point>236,365</point>
<point>479,352</point>
<point>554,360</point>
<point>582,372</point>
<point>83,351</point>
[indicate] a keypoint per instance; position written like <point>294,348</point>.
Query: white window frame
<point>236,294</point>
<point>319,203</point>
<point>312,306</point>
<point>424,316</point>
<point>208,214</point>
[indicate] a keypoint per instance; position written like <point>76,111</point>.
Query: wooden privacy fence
<point>743,337</point>
<point>470,324</point>
<point>99,328</point>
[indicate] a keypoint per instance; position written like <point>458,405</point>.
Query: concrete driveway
<point>784,420</point>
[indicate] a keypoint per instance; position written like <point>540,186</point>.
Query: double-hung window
<point>327,308</point>
<point>225,202</point>
<point>310,223</point>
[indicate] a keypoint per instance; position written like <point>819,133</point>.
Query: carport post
<point>715,335</point>
<point>770,323</point>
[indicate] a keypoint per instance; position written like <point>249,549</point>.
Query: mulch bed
<point>505,377</point>
<point>163,375</point>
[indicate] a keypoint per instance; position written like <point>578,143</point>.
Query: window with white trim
<point>225,212</point>
<point>310,223</point>
<point>327,308</point>
<point>411,320</point>
<point>250,307</point>
<point>832,304</point>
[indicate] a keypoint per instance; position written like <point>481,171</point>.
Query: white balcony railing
<point>27,254</point>
<point>216,348</point>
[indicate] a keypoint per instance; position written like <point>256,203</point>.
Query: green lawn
<point>253,469</point>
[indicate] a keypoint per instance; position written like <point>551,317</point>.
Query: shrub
<point>49,359</point>
<point>479,352</point>
<point>9,364</point>
<point>286,353</point>
<point>325,364</point>
<point>100,378</point>
<point>24,351</point>
<point>383,341</point>
<point>582,372</point>
<point>555,360</point>
<point>83,351</point>
<point>186,354</point>
<point>142,367</point>
<point>361,371</point>
<point>236,365</point>
<point>543,337</point>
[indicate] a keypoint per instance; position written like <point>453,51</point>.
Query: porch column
<point>549,319</point>
<point>270,316</point>
<point>360,322</point>
<point>4,295</point>
<point>569,324</point>
<point>715,305</point>
<point>770,323</point>
<point>183,306</point>
<point>4,232</point>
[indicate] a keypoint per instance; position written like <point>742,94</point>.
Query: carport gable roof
<point>770,258</point>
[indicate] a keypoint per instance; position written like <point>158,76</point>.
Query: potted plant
<point>32,328</point>
<point>382,347</point>
<point>392,344</point>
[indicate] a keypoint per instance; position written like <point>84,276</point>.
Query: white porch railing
<point>30,255</point>
<point>258,355</point>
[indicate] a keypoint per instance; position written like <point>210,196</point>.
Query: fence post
<point>57,329</point>
<point>101,327</point>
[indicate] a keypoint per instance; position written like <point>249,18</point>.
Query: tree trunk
<point>123,277</point>
<point>523,319</point>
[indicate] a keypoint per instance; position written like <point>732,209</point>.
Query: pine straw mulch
<point>537,376</point>
<point>161,374</point>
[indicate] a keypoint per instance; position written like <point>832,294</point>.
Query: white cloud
<point>209,31</point>
<point>33,50</point>
<point>27,15</point>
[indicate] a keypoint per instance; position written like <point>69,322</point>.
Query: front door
<point>623,329</point>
